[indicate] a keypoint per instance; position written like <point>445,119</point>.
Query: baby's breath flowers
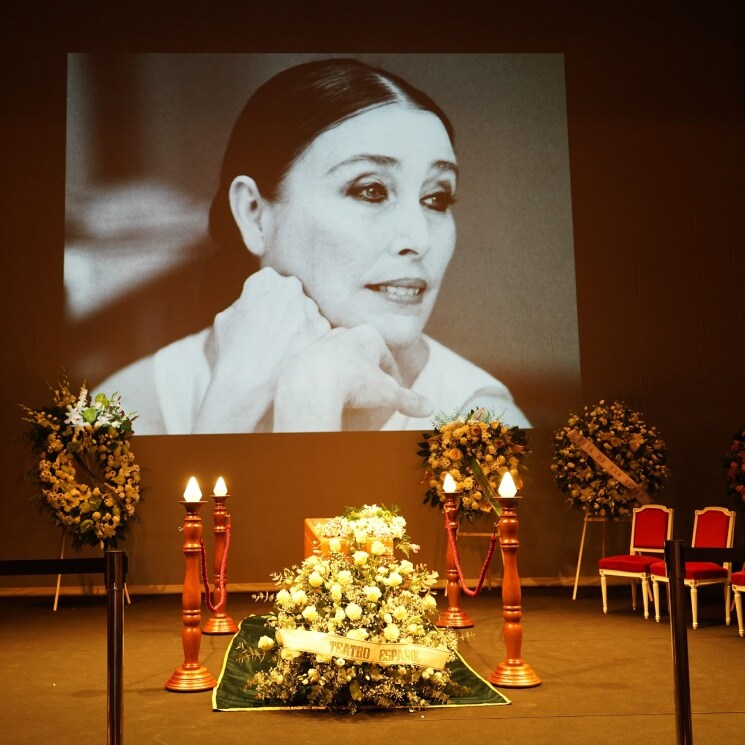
<point>476,450</point>
<point>361,596</point>
<point>88,480</point>
<point>621,435</point>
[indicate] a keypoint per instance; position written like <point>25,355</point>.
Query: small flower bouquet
<point>476,450</point>
<point>353,630</point>
<point>620,435</point>
<point>85,470</point>
<point>734,465</point>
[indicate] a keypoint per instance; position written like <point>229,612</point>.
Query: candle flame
<point>193,493</point>
<point>507,488</point>
<point>220,489</point>
<point>449,484</point>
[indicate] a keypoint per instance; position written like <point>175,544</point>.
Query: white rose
<point>399,612</point>
<point>299,597</point>
<point>336,592</point>
<point>283,597</point>
<point>391,632</point>
<point>394,579</point>
<point>339,616</point>
<point>372,594</point>
<point>334,545</point>
<point>353,612</point>
<point>378,548</point>
<point>405,567</point>
<point>360,536</point>
<point>356,634</point>
<point>315,579</point>
<point>265,643</point>
<point>344,578</point>
<point>310,613</point>
<point>430,604</point>
<point>360,558</point>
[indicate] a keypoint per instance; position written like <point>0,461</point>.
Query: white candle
<point>220,489</point>
<point>507,488</point>
<point>193,493</point>
<point>449,484</point>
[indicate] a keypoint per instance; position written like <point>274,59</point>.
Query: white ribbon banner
<point>609,466</point>
<point>317,642</point>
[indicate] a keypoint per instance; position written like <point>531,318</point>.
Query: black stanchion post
<point>676,587</point>
<point>115,578</point>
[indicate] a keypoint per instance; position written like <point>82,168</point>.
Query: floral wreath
<point>367,597</point>
<point>734,464</point>
<point>86,474</point>
<point>476,450</point>
<point>621,435</point>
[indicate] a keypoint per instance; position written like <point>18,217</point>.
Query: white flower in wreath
<point>265,643</point>
<point>399,613</point>
<point>391,632</point>
<point>360,558</point>
<point>310,613</point>
<point>394,579</point>
<point>344,578</point>
<point>353,612</point>
<point>335,545</point>
<point>378,548</point>
<point>429,602</point>
<point>283,598</point>
<point>299,598</point>
<point>405,567</point>
<point>372,594</point>
<point>315,579</point>
<point>358,635</point>
<point>339,615</point>
<point>336,592</point>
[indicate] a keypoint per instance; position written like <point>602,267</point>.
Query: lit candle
<point>220,489</point>
<point>507,488</point>
<point>449,484</point>
<point>193,493</point>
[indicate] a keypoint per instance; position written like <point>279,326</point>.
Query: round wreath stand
<point>513,672</point>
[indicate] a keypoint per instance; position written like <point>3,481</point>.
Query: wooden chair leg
<point>604,590</point>
<point>738,610</point>
<point>727,615</point>
<point>633,594</point>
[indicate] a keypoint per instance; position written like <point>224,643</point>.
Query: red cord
<point>221,579</point>
<point>456,556</point>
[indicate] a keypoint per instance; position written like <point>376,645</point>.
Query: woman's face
<point>364,220</point>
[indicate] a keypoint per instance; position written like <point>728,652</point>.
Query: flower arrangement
<point>362,600</point>
<point>734,464</point>
<point>476,450</point>
<point>621,435</point>
<point>367,524</point>
<point>88,480</point>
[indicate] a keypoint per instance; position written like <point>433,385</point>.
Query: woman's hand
<point>346,368</point>
<point>251,342</point>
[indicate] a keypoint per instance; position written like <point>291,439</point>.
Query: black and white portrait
<point>294,243</point>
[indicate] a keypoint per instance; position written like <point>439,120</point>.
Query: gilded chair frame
<point>694,584</point>
<point>638,550</point>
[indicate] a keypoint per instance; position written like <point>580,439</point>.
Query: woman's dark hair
<point>289,111</point>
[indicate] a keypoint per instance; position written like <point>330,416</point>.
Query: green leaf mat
<point>231,693</point>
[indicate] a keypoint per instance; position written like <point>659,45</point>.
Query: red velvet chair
<point>738,585</point>
<point>651,526</point>
<point>713,527</point>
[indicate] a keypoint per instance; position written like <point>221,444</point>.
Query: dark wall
<point>656,108</point>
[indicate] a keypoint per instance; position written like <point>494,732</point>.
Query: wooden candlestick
<point>220,622</point>
<point>191,676</point>
<point>513,672</point>
<point>454,617</point>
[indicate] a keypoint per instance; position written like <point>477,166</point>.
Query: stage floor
<point>607,679</point>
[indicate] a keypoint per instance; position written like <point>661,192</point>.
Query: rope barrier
<point>221,579</point>
<point>456,557</point>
